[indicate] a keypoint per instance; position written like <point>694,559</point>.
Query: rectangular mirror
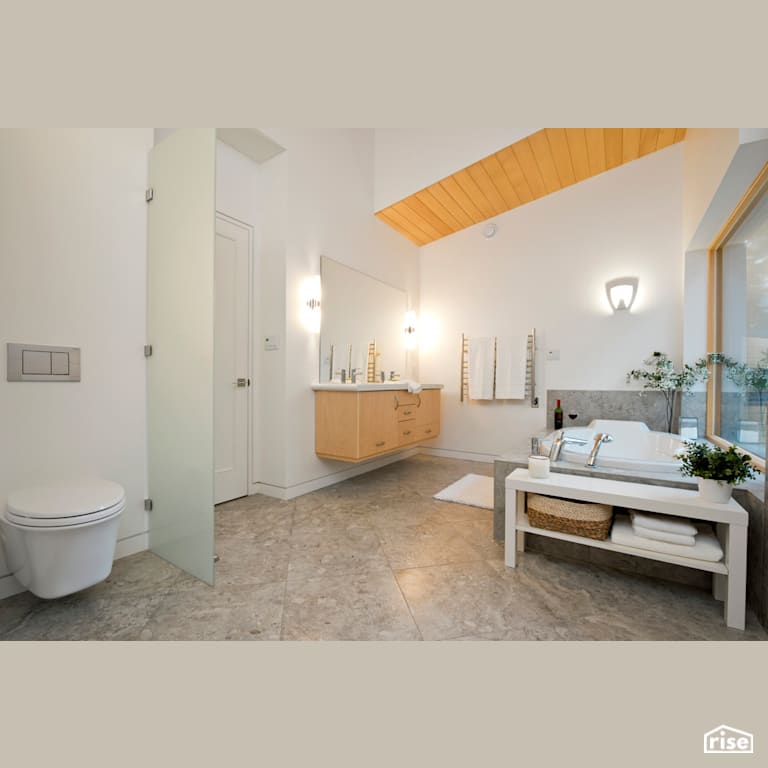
<point>356,310</point>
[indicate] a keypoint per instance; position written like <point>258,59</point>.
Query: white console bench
<point>729,581</point>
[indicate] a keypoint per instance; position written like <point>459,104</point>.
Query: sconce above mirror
<point>357,310</point>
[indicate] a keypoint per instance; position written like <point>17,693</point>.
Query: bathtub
<point>634,446</point>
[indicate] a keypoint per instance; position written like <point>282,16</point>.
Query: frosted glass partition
<point>180,330</point>
<point>356,309</point>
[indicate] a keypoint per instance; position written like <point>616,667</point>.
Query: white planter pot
<point>716,491</point>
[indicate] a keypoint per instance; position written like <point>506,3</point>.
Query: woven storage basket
<point>578,518</point>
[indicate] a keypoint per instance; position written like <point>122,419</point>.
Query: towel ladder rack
<point>530,369</point>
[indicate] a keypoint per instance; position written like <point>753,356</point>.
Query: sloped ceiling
<point>538,165</point>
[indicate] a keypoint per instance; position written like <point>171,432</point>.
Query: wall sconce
<point>621,292</point>
<point>310,310</point>
<point>410,329</point>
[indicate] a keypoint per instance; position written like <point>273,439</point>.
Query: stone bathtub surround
<point>623,404</point>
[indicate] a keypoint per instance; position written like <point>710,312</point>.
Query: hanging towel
<point>511,358</point>
<point>707,546</point>
<point>481,368</point>
<point>679,525</point>
<point>670,538</point>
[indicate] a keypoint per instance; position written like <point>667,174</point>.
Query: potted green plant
<point>659,374</point>
<point>717,469</point>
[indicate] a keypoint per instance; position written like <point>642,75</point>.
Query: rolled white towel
<point>707,546</point>
<point>413,386</point>
<point>679,525</point>
<point>670,538</point>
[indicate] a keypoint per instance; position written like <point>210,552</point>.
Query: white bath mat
<point>474,490</point>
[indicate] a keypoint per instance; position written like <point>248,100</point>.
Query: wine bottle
<point>558,416</point>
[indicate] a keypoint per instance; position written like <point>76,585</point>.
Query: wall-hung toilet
<point>59,539</point>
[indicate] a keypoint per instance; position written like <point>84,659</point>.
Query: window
<point>738,389</point>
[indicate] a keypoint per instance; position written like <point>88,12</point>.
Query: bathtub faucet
<point>559,440</point>
<point>600,438</point>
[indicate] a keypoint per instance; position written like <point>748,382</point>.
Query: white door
<point>231,369</point>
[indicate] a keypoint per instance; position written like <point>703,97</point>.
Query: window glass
<point>743,392</point>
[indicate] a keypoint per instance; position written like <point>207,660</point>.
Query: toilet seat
<point>65,504</point>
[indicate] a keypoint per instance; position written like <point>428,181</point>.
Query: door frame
<point>250,448</point>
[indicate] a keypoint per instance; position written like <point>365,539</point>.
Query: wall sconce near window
<point>621,292</point>
<point>310,310</point>
<point>410,329</point>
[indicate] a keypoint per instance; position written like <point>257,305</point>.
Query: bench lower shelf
<point>524,526</point>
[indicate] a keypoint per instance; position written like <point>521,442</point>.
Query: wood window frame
<point>745,206</point>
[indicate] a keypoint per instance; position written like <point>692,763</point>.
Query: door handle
<point>243,383</point>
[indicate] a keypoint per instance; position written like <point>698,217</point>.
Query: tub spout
<point>600,438</point>
<point>559,440</point>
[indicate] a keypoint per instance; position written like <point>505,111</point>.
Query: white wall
<point>73,272</point>
<point>409,159</point>
<point>719,164</point>
<point>707,153</point>
<point>319,201</point>
<point>546,268</point>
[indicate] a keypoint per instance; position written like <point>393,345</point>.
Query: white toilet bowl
<point>59,539</point>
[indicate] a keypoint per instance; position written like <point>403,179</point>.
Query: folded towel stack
<point>669,535</point>
<point>673,530</point>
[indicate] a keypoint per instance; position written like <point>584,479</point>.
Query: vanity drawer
<point>408,431</point>
<point>406,412</point>
<point>371,444</point>
<point>427,431</point>
<point>405,401</point>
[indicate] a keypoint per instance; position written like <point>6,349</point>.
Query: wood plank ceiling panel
<point>577,146</point>
<point>558,145</point>
<point>515,174</point>
<point>596,149</point>
<point>540,164</point>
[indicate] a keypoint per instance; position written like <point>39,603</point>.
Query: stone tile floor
<point>372,558</point>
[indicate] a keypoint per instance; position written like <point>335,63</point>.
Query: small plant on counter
<point>660,375</point>
<point>710,462</point>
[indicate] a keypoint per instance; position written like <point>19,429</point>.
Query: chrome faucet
<point>559,440</point>
<point>600,438</point>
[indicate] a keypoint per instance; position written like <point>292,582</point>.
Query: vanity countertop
<point>375,387</point>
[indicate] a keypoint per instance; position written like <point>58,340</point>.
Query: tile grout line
<point>399,588</point>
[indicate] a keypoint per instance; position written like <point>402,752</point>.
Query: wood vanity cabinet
<point>353,426</point>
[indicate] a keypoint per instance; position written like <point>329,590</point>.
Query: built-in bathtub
<point>633,447</point>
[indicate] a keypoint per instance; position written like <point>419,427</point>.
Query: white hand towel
<point>707,546</point>
<point>669,523</point>
<point>670,538</point>
<point>481,369</point>
<point>413,386</point>
<point>511,356</point>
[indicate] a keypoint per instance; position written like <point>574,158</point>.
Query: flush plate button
<point>38,362</point>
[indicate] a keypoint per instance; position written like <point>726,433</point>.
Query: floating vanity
<point>354,422</point>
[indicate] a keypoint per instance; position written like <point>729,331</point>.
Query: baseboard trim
<point>131,545</point>
<point>448,453</point>
<point>292,491</point>
<point>9,587</point>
